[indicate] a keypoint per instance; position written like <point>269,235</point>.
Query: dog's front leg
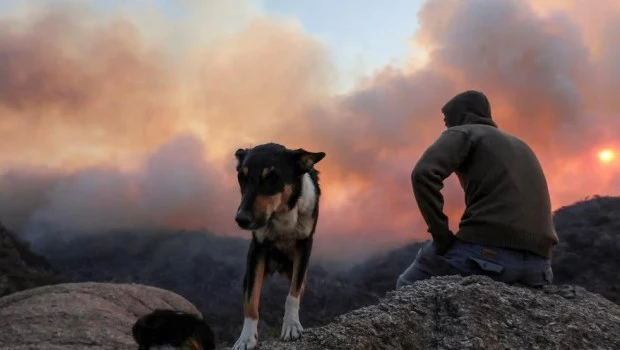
<point>291,327</point>
<point>252,284</point>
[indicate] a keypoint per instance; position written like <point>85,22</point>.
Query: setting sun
<point>606,155</point>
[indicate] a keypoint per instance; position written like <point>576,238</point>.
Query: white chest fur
<point>294,224</point>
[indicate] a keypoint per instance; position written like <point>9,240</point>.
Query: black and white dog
<point>172,330</point>
<point>280,205</point>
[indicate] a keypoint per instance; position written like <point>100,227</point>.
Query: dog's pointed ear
<point>240,155</point>
<point>305,160</point>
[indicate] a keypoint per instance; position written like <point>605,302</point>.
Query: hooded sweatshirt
<point>506,194</point>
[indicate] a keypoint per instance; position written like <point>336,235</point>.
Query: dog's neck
<point>298,221</point>
<point>304,202</point>
<point>307,197</point>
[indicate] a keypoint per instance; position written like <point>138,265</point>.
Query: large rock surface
<point>471,313</point>
<point>80,315</point>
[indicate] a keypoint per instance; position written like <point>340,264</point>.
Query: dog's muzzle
<point>244,219</point>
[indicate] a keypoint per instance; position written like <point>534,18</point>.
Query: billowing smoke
<point>163,191</point>
<point>109,121</point>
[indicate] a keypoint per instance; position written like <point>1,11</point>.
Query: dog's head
<point>170,329</point>
<point>267,175</point>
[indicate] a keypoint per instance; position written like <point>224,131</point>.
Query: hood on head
<point>469,107</point>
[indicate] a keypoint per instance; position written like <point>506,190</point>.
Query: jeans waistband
<point>495,253</point>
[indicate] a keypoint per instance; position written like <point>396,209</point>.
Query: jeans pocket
<point>487,266</point>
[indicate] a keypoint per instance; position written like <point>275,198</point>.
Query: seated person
<point>506,231</point>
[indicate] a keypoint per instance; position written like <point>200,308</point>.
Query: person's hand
<point>444,242</point>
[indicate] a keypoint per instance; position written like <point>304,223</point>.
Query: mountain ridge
<point>207,269</point>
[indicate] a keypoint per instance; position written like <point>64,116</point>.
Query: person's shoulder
<point>453,132</point>
<point>467,129</point>
<point>479,130</point>
<point>456,129</point>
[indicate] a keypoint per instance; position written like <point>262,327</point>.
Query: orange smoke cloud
<point>71,90</point>
<point>96,115</point>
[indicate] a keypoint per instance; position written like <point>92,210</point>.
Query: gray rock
<point>470,313</point>
<point>80,315</point>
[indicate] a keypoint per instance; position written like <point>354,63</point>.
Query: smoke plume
<point>130,119</point>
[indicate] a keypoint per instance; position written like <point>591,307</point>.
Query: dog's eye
<point>272,179</point>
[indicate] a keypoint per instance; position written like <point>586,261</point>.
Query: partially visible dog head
<point>169,329</point>
<point>267,174</point>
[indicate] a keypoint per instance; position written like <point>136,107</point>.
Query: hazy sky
<point>126,114</point>
<point>363,35</point>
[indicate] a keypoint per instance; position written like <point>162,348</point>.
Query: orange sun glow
<point>606,155</point>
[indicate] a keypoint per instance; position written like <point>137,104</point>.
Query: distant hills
<point>20,268</point>
<point>207,269</point>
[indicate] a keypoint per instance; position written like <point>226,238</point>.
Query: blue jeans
<point>464,258</point>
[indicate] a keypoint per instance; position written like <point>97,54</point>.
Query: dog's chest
<point>285,224</point>
<point>287,227</point>
<point>297,223</point>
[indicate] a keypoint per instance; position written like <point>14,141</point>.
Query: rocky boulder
<point>470,313</point>
<point>80,315</point>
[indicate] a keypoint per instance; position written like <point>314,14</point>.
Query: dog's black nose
<point>243,219</point>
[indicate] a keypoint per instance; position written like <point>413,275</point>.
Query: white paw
<point>249,335</point>
<point>291,330</point>
<point>291,327</point>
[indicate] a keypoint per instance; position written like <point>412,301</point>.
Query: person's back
<point>506,194</point>
<point>506,230</point>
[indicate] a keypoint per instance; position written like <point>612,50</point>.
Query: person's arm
<point>440,160</point>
